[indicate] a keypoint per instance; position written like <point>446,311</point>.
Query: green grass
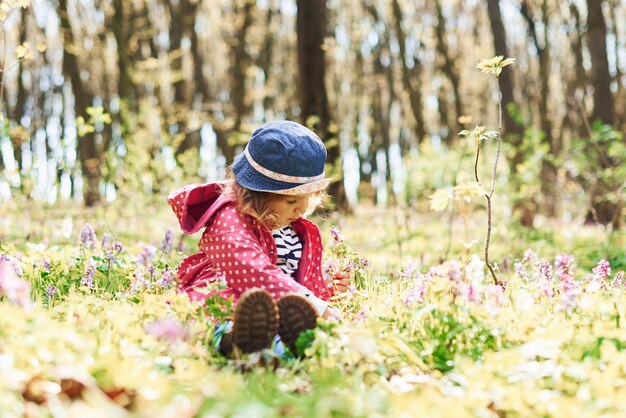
<point>516,352</point>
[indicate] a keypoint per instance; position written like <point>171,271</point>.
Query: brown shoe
<point>256,321</point>
<point>226,344</point>
<point>297,315</point>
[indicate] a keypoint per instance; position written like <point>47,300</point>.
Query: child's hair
<point>257,204</point>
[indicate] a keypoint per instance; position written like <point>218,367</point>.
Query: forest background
<point>105,101</point>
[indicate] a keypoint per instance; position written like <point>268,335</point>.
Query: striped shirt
<point>289,249</point>
<point>289,252</point>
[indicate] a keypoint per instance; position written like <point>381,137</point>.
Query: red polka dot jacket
<point>239,249</point>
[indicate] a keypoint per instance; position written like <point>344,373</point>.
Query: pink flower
<point>169,329</point>
<point>602,271</point>
<point>336,234</point>
<point>16,289</point>
<point>474,291</point>
<point>564,267</point>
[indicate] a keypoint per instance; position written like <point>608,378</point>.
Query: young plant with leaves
<point>439,200</point>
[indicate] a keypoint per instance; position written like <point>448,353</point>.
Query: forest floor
<point>424,331</point>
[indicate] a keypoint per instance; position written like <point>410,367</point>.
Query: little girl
<point>257,239</point>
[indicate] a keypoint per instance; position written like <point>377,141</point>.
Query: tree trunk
<point>411,84</point>
<point>18,110</point>
<point>124,83</point>
<point>505,80</point>
<point>549,187</point>
<point>240,64</point>
<point>311,30</point>
<point>512,132</point>
<point>603,109</point>
<point>620,94</point>
<point>265,60</point>
<point>182,21</point>
<point>448,67</point>
<point>603,209</point>
<point>87,150</point>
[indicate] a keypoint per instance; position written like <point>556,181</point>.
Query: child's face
<point>289,208</point>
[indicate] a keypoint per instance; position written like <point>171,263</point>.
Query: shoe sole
<point>297,315</point>
<point>256,321</point>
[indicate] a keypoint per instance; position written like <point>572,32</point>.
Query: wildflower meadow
<point>468,158</point>
<point>94,326</point>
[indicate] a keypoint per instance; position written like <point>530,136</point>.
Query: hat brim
<point>251,179</point>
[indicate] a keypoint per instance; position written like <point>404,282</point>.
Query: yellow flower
<point>494,65</point>
<point>440,200</point>
<point>23,51</point>
<point>468,190</point>
<point>479,133</point>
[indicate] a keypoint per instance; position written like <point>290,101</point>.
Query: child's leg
<point>221,329</point>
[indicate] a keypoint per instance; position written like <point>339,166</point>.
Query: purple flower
<point>43,264</point>
<point>618,280</point>
<point>13,262</point>
<point>602,271</point>
<point>564,267</point>
<point>408,271</point>
<point>455,271</point>
<point>569,291</point>
<point>169,329</point>
<point>151,272</point>
<point>166,278</point>
<point>529,255</point>
<point>51,290</point>
<point>168,242</point>
<point>87,237</point>
<point>415,294</point>
<point>545,270</point>
<point>106,240</point>
<point>364,262</point>
<point>146,256</point>
<point>545,278</point>
<point>140,282</point>
<point>118,247</point>
<point>473,291</point>
<point>90,269</point>
<point>336,234</point>
<point>109,257</point>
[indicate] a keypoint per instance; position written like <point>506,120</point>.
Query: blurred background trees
<point>109,98</point>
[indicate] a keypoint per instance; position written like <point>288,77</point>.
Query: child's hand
<point>341,281</point>
<point>331,314</point>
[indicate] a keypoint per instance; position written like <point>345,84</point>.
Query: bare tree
<point>549,187</point>
<point>311,31</point>
<point>410,75</point>
<point>89,156</point>
<point>602,208</point>
<point>603,108</point>
<point>448,65</point>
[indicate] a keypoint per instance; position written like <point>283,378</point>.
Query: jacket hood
<point>195,204</point>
